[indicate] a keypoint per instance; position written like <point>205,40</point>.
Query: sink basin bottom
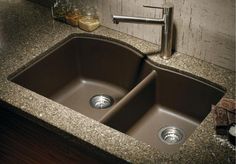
<point>148,127</point>
<point>77,94</point>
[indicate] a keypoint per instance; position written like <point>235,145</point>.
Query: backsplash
<point>203,29</point>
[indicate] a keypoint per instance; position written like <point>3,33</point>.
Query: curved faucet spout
<point>167,27</point>
<point>119,18</point>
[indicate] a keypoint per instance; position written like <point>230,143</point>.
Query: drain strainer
<point>101,101</point>
<point>171,135</point>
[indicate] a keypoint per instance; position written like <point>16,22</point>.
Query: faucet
<point>166,22</point>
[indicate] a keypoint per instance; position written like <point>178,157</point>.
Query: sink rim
<point>159,67</point>
<point>188,75</point>
<point>120,43</point>
<point>67,39</point>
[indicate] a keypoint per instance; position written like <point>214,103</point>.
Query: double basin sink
<point>116,85</point>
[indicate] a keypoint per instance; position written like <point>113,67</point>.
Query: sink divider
<point>129,109</point>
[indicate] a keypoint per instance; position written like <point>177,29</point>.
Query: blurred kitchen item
<point>60,9</point>
<point>224,116</point>
<point>73,15</point>
<point>89,20</point>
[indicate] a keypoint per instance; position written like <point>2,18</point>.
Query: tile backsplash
<point>204,29</point>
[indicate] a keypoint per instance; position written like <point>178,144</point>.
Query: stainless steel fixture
<point>101,101</point>
<point>166,22</point>
<point>171,135</point>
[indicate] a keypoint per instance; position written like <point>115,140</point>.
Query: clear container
<point>59,9</point>
<point>89,20</point>
<point>73,15</point>
<point>77,13</point>
<point>90,12</point>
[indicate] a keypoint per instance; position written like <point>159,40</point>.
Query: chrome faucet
<point>166,22</point>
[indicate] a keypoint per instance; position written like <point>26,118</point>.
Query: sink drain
<point>171,135</point>
<point>101,101</point>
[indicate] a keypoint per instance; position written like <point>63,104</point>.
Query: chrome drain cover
<point>101,101</point>
<point>171,135</point>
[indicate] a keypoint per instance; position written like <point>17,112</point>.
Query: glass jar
<point>89,20</point>
<point>73,15</point>
<point>59,9</point>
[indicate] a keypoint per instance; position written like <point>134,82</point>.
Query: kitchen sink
<point>115,84</point>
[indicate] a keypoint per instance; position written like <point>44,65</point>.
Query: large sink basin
<point>81,67</point>
<point>157,106</point>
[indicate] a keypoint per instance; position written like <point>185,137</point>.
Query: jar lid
<point>89,11</point>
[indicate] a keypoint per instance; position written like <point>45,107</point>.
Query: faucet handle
<point>152,7</point>
<point>167,8</point>
<point>164,6</point>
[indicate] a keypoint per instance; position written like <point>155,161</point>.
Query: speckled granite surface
<point>27,30</point>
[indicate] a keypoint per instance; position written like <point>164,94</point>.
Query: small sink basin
<point>164,109</point>
<point>114,84</point>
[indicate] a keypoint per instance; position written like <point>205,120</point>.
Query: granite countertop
<point>27,30</point>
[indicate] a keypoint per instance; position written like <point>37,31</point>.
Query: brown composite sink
<point>114,84</point>
<point>79,68</point>
<point>164,100</point>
